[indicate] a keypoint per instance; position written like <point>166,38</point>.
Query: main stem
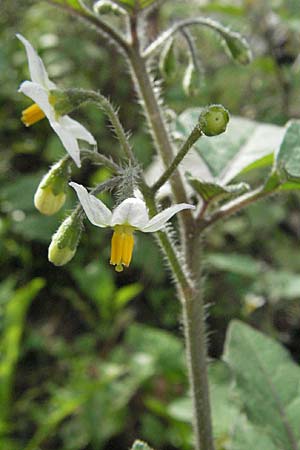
<point>196,350</point>
<point>189,292</point>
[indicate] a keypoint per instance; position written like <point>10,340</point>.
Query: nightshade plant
<point>203,195</point>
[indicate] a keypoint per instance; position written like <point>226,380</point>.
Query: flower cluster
<point>129,216</point>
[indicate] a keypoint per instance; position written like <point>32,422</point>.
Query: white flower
<point>38,89</point>
<point>129,216</point>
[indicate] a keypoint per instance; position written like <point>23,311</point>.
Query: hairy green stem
<point>196,351</point>
<point>192,49</point>
<point>191,298</point>
<point>166,244</point>
<point>98,158</point>
<point>193,137</point>
<point>178,26</point>
<point>153,111</point>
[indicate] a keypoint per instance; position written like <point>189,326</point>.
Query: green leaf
<point>14,316</point>
<point>163,347</point>
<point>246,145</point>
<point>96,282</point>
<point>77,5</point>
<point>212,192</point>
<point>240,264</point>
<point>286,171</point>
<point>225,411</point>
<point>288,155</point>
<point>279,285</point>
<point>268,382</point>
<point>127,293</point>
<point>19,193</point>
<point>248,437</point>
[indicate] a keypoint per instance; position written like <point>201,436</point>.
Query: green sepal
<point>213,120</point>
<point>57,178</point>
<point>69,232</point>
<point>66,101</point>
<point>212,192</point>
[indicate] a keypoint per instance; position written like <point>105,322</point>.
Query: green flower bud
<point>47,202</point>
<point>238,47</point>
<point>167,61</point>
<point>107,7</point>
<point>213,120</point>
<point>65,241</point>
<point>140,445</point>
<point>191,81</point>
<point>51,192</point>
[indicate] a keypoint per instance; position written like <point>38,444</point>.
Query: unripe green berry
<point>65,241</point>
<point>213,120</point>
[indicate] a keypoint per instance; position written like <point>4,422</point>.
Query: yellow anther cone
<point>32,115</point>
<point>121,247</point>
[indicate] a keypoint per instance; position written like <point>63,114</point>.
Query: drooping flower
<point>39,89</point>
<point>129,216</point>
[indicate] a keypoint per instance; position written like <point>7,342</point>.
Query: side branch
<point>233,207</point>
<point>193,137</point>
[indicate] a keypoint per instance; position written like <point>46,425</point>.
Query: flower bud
<point>213,120</point>
<point>140,445</point>
<point>167,62</point>
<point>51,192</point>
<point>191,81</point>
<point>47,202</point>
<point>107,7</point>
<point>65,241</point>
<point>238,47</point>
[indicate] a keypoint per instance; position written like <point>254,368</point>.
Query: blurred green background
<point>91,359</point>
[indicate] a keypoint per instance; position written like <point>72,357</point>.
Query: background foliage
<point>91,360</point>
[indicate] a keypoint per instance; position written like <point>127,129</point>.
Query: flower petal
<point>131,211</point>
<point>37,69</point>
<point>157,222</point>
<point>68,140</point>
<point>39,95</point>
<point>97,213</point>
<point>77,130</point>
